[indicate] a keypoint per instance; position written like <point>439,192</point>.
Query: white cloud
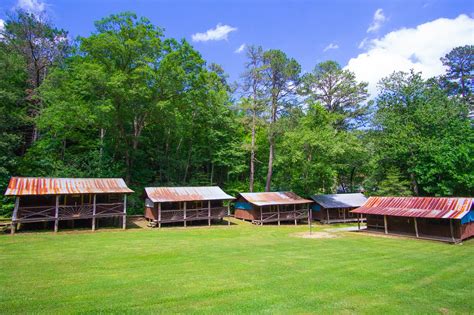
<point>331,46</point>
<point>220,32</point>
<point>417,48</point>
<point>240,49</point>
<point>33,6</point>
<point>378,20</point>
<point>2,27</point>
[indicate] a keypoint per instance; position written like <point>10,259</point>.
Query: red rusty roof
<point>420,207</point>
<point>176,194</point>
<point>24,186</point>
<point>274,198</point>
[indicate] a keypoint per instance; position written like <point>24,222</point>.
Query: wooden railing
<point>297,214</point>
<point>178,215</point>
<point>68,212</point>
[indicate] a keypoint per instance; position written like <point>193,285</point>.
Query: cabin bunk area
<point>185,204</point>
<point>336,208</point>
<point>65,201</point>
<point>435,218</point>
<point>271,207</point>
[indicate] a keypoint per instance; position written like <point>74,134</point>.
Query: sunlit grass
<point>241,269</point>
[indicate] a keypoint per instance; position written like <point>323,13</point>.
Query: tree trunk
<point>252,154</point>
<point>270,166</point>
<point>414,184</point>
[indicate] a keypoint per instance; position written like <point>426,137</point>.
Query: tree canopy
<point>127,101</point>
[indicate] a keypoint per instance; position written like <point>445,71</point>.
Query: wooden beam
<point>159,214</point>
<point>294,213</point>
<point>56,214</point>
<point>15,215</point>
<point>124,221</point>
<point>185,214</point>
<point>261,215</point>
<point>94,211</point>
<point>310,221</point>
<point>209,213</point>
<point>416,227</point>
<point>452,229</point>
<point>344,215</point>
<point>358,221</point>
<point>278,209</point>
<point>385,224</point>
<point>228,214</point>
<point>327,215</point>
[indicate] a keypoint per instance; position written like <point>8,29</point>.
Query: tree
<point>460,69</point>
<point>281,77</point>
<point>425,134</point>
<point>338,91</point>
<point>252,103</point>
<point>393,184</point>
<point>41,45</point>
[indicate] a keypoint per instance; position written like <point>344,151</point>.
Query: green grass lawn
<point>241,269</point>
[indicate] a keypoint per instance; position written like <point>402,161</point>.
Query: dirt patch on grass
<point>315,235</point>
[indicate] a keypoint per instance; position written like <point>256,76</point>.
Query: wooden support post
<point>15,215</point>
<point>159,214</point>
<point>261,216</point>
<point>94,211</point>
<point>327,215</point>
<point>278,209</point>
<point>209,213</point>
<point>56,215</point>
<point>358,221</point>
<point>228,214</point>
<point>385,224</point>
<point>294,213</point>
<point>124,222</point>
<point>185,214</point>
<point>310,220</point>
<point>344,215</point>
<point>416,227</point>
<point>452,229</point>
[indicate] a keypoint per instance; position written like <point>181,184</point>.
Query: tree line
<point>127,101</point>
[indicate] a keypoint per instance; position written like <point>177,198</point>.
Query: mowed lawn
<point>240,269</point>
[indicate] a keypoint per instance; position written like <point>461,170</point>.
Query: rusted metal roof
<point>420,207</point>
<point>27,186</point>
<point>175,194</point>
<point>340,200</point>
<point>274,198</point>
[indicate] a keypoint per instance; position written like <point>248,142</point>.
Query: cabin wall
<point>429,228</point>
<point>467,230</point>
<point>244,214</point>
<point>337,214</point>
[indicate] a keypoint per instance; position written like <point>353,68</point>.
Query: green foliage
<point>339,91</point>
<point>393,184</point>
<point>460,71</point>
<point>129,102</point>
<point>426,134</point>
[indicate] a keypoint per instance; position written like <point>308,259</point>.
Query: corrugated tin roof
<point>24,186</point>
<point>175,194</point>
<point>340,200</point>
<point>420,207</point>
<point>274,198</point>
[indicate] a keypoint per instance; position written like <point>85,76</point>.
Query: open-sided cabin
<point>336,208</point>
<point>266,207</point>
<point>61,199</point>
<point>444,219</point>
<point>185,204</point>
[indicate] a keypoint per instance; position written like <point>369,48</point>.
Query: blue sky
<point>302,29</point>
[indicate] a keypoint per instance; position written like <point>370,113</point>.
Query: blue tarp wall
<point>469,217</point>
<point>243,205</point>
